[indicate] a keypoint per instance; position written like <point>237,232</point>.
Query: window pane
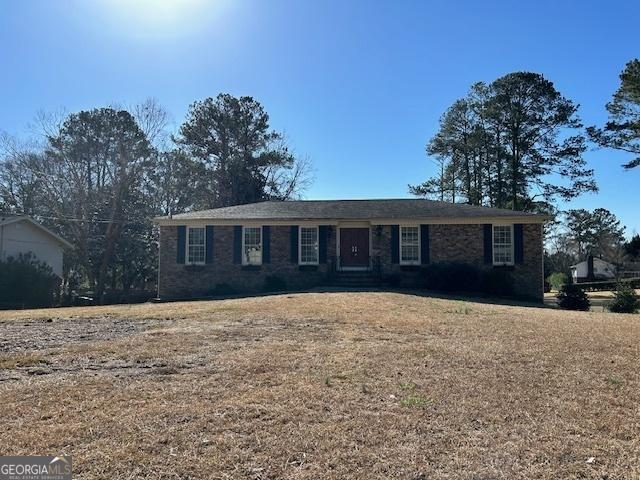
<point>309,245</point>
<point>410,253</point>
<point>409,244</point>
<point>253,245</point>
<point>196,245</point>
<point>502,244</point>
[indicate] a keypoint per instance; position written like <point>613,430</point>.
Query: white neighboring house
<point>602,270</point>
<point>20,234</point>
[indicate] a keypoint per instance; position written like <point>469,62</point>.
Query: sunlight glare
<point>161,16</point>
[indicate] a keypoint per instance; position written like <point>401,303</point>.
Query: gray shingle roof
<point>409,208</point>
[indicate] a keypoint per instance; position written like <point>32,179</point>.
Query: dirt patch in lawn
<point>327,385</point>
<point>25,336</point>
<point>30,348</point>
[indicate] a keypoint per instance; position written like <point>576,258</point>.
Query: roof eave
<point>41,227</point>
<point>534,219</point>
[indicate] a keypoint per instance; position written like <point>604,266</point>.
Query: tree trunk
<point>114,227</point>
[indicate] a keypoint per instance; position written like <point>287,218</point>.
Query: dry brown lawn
<point>324,385</point>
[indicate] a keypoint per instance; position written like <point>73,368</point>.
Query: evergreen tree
<point>632,247</point>
<point>622,130</point>
<point>594,233</point>
<point>510,144</point>
<point>92,175</point>
<point>245,161</point>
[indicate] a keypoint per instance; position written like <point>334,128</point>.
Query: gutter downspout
<point>542,248</point>
<point>158,280</point>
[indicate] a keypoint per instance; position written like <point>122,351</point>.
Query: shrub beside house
<point>30,263</point>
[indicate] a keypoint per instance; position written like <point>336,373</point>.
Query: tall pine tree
<point>622,130</point>
<point>515,143</point>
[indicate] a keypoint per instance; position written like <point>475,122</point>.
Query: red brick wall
<point>178,280</point>
<point>448,243</point>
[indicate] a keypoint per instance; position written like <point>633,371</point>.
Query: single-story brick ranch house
<point>307,243</point>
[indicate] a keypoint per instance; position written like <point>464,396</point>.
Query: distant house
<point>307,243</point>
<point>592,270</point>
<point>20,235</point>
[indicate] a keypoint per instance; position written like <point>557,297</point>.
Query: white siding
<point>24,237</point>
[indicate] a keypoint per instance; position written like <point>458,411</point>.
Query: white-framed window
<point>195,245</point>
<point>252,245</point>
<point>503,244</point>
<point>309,253</point>
<point>410,245</point>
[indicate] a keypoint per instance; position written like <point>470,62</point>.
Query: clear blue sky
<point>356,85</point>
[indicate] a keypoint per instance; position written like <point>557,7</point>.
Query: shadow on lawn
<point>459,296</point>
<point>414,292</point>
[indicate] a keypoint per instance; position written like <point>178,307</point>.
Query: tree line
<point>575,234</point>
<point>503,143</point>
<point>99,177</point>
<point>518,143</point>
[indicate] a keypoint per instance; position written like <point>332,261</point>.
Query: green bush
<point>496,282</point>
<point>451,277</point>
<point>27,282</point>
<point>222,289</point>
<point>557,280</point>
<point>626,300</point>
<point>392,279</point>
<point>572,297</point>
<point>274,283</point>
<point>462,277</point>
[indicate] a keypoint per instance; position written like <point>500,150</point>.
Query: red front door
<point>354,247</point>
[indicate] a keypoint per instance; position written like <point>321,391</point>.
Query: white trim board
<point>317,228</point>
<point>415,262</point>
<point>244,260</point>
<point>186,244</point>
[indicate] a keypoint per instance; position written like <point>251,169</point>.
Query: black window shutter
<point>208,254</point>
<point>488,243</point>
<point>294,244</point>
<point>323,234</point>
<point>395,243</point>
<point>266,244</point>
<point>237,244</point>
<point>424,244</point>
<point>181,245</point>
<point>518,243</point>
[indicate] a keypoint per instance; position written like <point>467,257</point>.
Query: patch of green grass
<point>415,401</point>
<point>328,381</point>
<point>615,381</point>
<point>407,386</point>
